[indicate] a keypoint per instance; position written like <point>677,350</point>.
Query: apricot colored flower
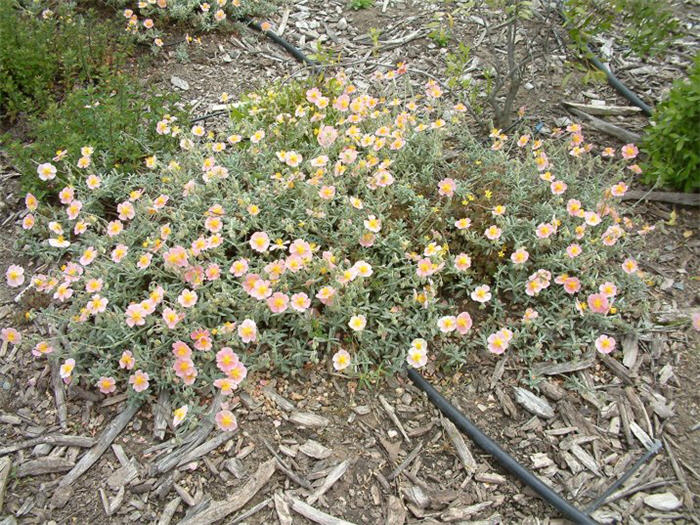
<point>14,276</point>
<point>226,421</point>
<point>482,294</point>
<point>605,344</point>
<point>107,385</point>
<point>248,331</point>
<point>447,324</point>
<point>598,303</point>
<point>127,360</point>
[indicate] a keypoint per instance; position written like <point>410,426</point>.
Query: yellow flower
<point>488,194</point>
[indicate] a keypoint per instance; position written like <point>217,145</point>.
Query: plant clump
<point>326,224</point>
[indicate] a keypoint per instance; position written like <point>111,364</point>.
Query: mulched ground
<point>381,453</point>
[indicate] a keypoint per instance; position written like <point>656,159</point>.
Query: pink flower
<point>187,298</point>
<point>341,360</point>
<point>482,294</point>
<point>447,324</point>
<point>417,357</point>
<point>300,302</point>
<point>629,151</point>
<point>608,289</point>
<point>326,295</point>
<point>238,373</point>
<point>598,303</point>
<point>107,385</point>
<point>248,331</point>
<point>464,323</point>
<point>226,359</point>
<point>171,317</point>
<point>572,285</point>
<point>259,241</point>
<point>497,343</point>
<point>573,207</point>
<point>357,322</point>
<point>11,336</point>
<point>127,360</point>
<point>66,369</point>
<point>605,344</point>
<point>14,276</point>
<point>226,421</point>
<point>573,250</point>
<point>529,315</point>
<point>139,381</point>
<point>447,187</point>
<point>558,187</point>
<point>278,302</point>
<point>326,136</point>
<point>181,350</point>
<point>42,348</point>
<point>462,262</point>
<point>696,321</point>
<point>629,266</point>
<point>544,230</point>
<point>239,267</point>
<point>519,256</point>
<point>493,233</point>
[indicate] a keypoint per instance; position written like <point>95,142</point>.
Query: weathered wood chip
<point>220,509</point>
<point>47,465</point>
<point>169,511</point>
<point>284,515</point>
<point>630,350</point>
<point>314,449</point>
<point>179,83</point>
<point>585,458</point>
<point>123,475</point>
<point>490,477</point>
<point>505,401</point>
<point>50,439</point>
<point>280,401</point>
<point>333,476</point>
<point>235,467</point>
<point>394,418</point>
<point>664,501</point>
<point>108,435</point>
<point>417,496</point>
<point>5,468</point>
<point>314,514</point>
<point>533,404</point>
<point>552,390</point>
<point>308,419</point>
<point>463,452</point>
<point>395,511</point>
<point>551,369</point>
<point>540,460</point>
<point>462,513</point>
<point>642,436</point>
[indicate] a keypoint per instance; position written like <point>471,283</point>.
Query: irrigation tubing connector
<point>506,460</point>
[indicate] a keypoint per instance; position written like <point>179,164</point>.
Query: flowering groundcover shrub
<point>326,222</point>
<point>141,17</point>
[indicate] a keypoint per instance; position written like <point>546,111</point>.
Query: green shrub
<point>673,142</point>
<point>326,222</point>
<point>360,4</point>
<point>117,118</point>
<point>648,26</point>
<point>44,54</point>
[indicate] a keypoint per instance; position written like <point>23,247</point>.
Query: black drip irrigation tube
<point>619,86</point>
<point>506,460</point>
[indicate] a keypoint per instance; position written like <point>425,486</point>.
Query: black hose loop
<point>507,461</point>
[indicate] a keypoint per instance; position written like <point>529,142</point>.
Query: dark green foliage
<point>648,26</point>
<point>44,54</point>
<point>673,143</point>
